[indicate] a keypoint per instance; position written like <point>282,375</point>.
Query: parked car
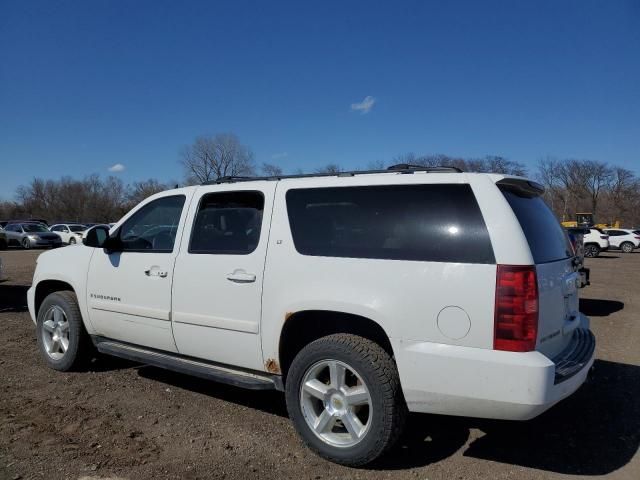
<point>576,237</point>
<point>3,239</point>
<point>69,233</point>
<point>29,235</point>
<point>362,296</point>
<point>595,241</point>
<point>623,239</point>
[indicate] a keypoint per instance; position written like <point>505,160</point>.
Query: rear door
<point>557,280</point>
<point>217,288</point>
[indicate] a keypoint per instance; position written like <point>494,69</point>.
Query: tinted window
<point>57,228</point>
<point>547,239</point>
<point>77,228</point>
<point>228,223</point>
<point>438,223</point>
<point>153,228</point>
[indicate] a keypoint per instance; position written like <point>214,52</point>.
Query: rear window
<point>547,239</point>
<point>437,223</point>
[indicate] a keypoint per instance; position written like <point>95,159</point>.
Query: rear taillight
<point>516,314</point>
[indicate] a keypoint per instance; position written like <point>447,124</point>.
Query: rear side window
<point>547,239</point>
<point>437,223</point>
<point>228,223</point>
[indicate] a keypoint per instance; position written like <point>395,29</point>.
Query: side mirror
<point>96,237</point>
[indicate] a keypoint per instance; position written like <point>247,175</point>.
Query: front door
<point>217,286</point>
<point>129,291</point>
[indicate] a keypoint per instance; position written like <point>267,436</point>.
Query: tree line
<point>612,193</point>
<point>91,199</point>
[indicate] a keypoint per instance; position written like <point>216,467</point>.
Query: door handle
<point>240,276</point>
<point>149,272</point>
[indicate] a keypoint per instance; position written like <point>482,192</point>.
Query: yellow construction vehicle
<point>585,220</point>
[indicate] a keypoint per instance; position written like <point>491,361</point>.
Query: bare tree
<point>214,156</point>
<point>595,177</point>
<point>270,170</point>
<point>141,190</point>
<point>330,168</point>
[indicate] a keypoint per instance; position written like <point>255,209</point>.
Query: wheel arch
<point>303,327</point>
<point>47,287</point>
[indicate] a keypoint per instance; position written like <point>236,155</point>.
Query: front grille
<point>577,354</point>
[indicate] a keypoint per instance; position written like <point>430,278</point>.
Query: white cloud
<point>279,155</point>
<point>117,168</point>
<point>364,106</point>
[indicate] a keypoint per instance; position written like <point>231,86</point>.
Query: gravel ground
<point>124,420</point>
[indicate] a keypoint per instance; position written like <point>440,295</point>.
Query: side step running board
<point>188,365</point>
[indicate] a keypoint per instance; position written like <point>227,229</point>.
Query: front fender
<point>69,265</point>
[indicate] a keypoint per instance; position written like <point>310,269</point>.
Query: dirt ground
<point>124,420</point>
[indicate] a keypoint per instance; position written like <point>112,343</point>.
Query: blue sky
<point>85,85</point>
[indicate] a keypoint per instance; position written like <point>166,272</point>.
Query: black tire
<point>591,250</point>
<point>80,349</point>
<point>378,371</point>
<point>26,244</point>
<point>3,244</point>
<point>627,247</point>
<point>72,241</point>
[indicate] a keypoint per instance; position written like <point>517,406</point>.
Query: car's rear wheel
<point>26,243</point>
<point>591,250</point>
<point>344,398</point>
<point>62,339</point>
<point>627,247</point>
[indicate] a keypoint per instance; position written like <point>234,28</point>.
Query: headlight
<point>33,237</point>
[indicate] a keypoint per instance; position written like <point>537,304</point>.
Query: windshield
<point>34,227</point>
<point>77,228</point>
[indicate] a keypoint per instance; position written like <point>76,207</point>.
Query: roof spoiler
<point>521,186</point>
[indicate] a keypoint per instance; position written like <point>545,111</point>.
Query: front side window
<point>227,223</point>
<point>435,222</point>
<point>77,228</point>
<point>153,228</point>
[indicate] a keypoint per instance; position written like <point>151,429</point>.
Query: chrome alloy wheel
<point>336,403</point>
<point>55,332</point>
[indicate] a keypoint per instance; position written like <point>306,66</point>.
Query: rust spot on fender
<point>272,366</point>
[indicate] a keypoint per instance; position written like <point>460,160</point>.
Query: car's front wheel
<point>72,241</point>
<point>26,243</point>
<point>591,250</point>
<point>62,339</point>
<point>344,398</point>
<point>627,247</point>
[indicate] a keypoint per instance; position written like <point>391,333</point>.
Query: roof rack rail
<point>400,168</point>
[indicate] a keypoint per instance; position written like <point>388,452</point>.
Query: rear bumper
<point>475,382</point>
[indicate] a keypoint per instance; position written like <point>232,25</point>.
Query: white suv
<point>623,238</point>
<point>362,296</point>
<point>595,242</point>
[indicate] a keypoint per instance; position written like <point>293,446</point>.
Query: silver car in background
<point>31,235</point>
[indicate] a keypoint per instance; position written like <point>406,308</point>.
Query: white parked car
<point>71,233</point>
<point>362,296</point>
<point>623,238</point>
<point>595,242</point>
